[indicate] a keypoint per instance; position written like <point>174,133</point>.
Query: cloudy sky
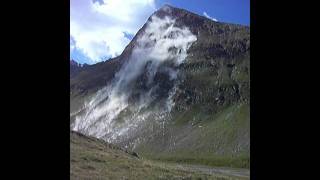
<point>100,29</point>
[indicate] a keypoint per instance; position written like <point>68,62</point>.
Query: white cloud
<point>207,16</point>
<point>97,28</point>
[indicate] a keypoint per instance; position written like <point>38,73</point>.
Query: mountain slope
<point>180,91</point>
<point>94,159</point>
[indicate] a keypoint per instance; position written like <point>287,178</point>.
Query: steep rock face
<point>146,101</point>
<point>89,79</point>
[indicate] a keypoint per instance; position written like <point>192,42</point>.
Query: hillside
<point>94,159</point>
<point>179,92</point>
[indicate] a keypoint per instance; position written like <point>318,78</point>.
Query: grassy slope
<point>93,159</point>
<point>221,139</point>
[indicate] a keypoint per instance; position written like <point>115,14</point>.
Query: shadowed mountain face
<point>179,91</point>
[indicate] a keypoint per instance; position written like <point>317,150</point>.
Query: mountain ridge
<point>164,6</point>
<point>127,50</point>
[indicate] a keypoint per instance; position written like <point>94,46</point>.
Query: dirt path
<point>234,172</point>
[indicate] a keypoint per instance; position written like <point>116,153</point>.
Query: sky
<point>101,29</point>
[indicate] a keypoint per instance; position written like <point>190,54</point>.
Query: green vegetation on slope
<point>221,139</point>
<point>94,159</point>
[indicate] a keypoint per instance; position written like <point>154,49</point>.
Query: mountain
<point>76,67</point>
<point>180,91</point>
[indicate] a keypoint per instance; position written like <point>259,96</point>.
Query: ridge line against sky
<point>101,29</point>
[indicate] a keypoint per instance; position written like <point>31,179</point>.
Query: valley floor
<point>94,159</point>
<point>230,172</point>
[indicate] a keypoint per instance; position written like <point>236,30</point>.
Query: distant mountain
<point>180,91</point>
<point>76,67</point>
